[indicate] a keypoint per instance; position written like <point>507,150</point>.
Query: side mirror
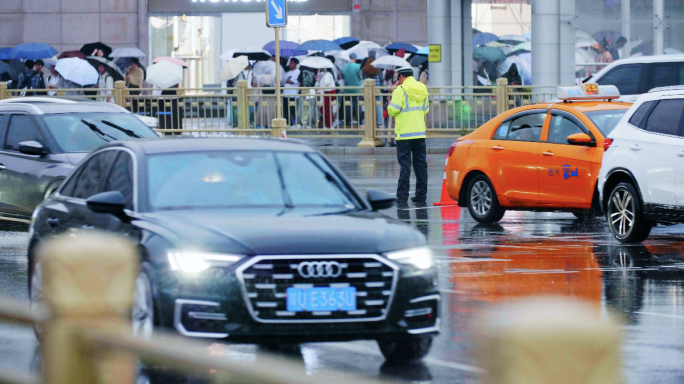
<point>380,200</point>
<point>108,202</point>
<point>580,139</point>
<point>31,148</point>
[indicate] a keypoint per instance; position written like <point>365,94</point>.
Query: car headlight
<point>420,257</point>
<point>189,261</point>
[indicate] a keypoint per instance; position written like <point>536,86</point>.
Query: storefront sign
<point>435,53</point>
<point>219,6</point>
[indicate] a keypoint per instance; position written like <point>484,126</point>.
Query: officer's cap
<point>405,71</point>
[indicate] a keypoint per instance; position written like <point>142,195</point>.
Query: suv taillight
<point>606,144</point>
<point>451,149</point>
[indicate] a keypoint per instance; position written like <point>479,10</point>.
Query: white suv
<point>641,181</point>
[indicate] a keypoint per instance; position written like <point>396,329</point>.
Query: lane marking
<point>661,315</point>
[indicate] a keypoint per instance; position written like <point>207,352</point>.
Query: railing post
<point>370,140</point>
<point>89,283</point>
<point>277,127</point>
<point>243,105</point>
<point>501,95</point>
<point>119,98</point>
<point>3,90</point>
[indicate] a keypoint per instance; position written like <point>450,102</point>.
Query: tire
<point>35,289</point>
<point>142,313</point>
<point>405,349</point>
<point>482,201</point>
<point>625,215</point>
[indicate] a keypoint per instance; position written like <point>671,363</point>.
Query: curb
<point>341,151</point>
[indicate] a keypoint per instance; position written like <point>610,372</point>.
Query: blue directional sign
<point>276,13</point>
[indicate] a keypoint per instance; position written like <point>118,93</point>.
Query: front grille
<point>265,280</point>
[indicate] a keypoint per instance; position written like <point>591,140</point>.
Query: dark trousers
<point>290,110</point>
<point>352,111</point>
<point>407,149</point>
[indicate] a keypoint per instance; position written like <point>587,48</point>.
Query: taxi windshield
<point>232,179</point>
<point>606,121</point>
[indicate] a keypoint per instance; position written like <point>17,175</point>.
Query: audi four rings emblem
<point>309,269</point>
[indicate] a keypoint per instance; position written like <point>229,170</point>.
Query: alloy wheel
<point>143,311</point>
<point>481,198</point>
<point>622,212</point>
<point>37,284</point>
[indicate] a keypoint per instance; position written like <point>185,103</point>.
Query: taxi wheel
<point>625,215</point>
<point>404,349</point>
<point>482,202</point>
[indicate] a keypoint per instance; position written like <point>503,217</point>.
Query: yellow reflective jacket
<point>408,107</point>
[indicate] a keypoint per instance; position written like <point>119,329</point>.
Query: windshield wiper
<point>97,130</point>
<point>122,129</point>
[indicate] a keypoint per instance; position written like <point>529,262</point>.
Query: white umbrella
<point>227,55</point>
<point>127,52</point>
<point>233,68</point>
<point>524,63</point>
<point>390,62</point>
<point>362,52</point>
<point>106,62</point>
<point>77,71</point>
<point>164,74</point>
<point>582,56</point>
<point>317,62</point>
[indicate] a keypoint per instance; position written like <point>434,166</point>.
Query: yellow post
<point>119,98</point>
<point>550,340</point>
<point>501,95</point>
<point>370,140</point>
<point>3,90</point>
<point>89,282</point>
<point>243,105</point>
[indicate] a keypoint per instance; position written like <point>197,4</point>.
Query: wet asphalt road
<point>526,254</point>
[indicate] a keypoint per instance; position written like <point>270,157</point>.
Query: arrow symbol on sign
<point>278,10</point>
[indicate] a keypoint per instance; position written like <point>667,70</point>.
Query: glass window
<point>73,135</point>
<point>527,128</point>
<point>606,121</point>
<point>665,117</point>
<point>121,178</point>
<point>91,176</point>
<point>561,128</point>
<point>20,129</point>
<point>501,132</point>
<point>627,79</point>
<point>665,75</point>
<point>230,179</point>
<point>637,118</point>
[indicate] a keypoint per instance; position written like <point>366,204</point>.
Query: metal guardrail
<point>350,112</point>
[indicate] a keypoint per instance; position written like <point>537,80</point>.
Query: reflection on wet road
<point>481,265</point>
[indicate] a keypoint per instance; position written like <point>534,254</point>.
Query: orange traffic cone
<point>283,135</point>
<point>445,199</point>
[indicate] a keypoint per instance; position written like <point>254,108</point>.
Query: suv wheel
<point>625,215</point>
<point>142,314</point>
<point>482,202</point>
<point>402,349</point>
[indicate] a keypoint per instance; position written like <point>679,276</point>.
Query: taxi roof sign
<point>589,91</point>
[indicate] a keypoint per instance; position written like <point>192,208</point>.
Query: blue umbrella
<point>397,46</point>
<point>423,51</point>
<point>287,49</point>
<point>483,38</point>
<point>33,51</point>
<point>5,53</point>
<point>320,45</point>
<point>346,42</point>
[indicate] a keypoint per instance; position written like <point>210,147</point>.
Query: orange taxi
<point>542,157</point>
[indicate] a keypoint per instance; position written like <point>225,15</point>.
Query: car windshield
<point>83,132</point>
<point>227,179</point>
<point>606,121</point>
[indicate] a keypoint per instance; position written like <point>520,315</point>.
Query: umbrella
<point>397,46</point>
<point>390,62</point>
<point>613,36</point>
<point>520,48</point>
<point>89,49</point>
<point>418,60</point>
<point>127,52</point>
<point>252,53</point>
<point>317,62</point>
<point>672,51</point>
<point>164,74</point>
<point>233,68</point>
<point>112,68</point>
<point>483,38</point>
<point>645,48</point>
<point>66,54</point>
<point>524,64</point>
<point>77,70</point>
<point>32,51</point>
<point>528,36</point>
<point>339,55</point>
<point>5,68</point>
<point>267,68</point>
<point>17,65</point>
<point>488,53</point>
<point>171,60</point>
<point>287,48</point>
<point>363,48</point>
<point>320,45</point>
<point>346,42</point>
<point>512,39</point>
<point>423,51</point>
<point>5,53</point>
<point>582,56</point>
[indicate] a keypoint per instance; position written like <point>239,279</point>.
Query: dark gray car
<point>41,142</point>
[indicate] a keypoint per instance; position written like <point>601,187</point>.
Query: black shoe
<point>417,199</point>
<point>402,203</point>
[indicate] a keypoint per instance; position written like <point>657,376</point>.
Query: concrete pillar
<point>467,27</point>
<point>567,43</point>
<point>626,27</point>
<point>658,27</point>
<point>457,43</point>
<point>546,42</point>
<point>439,32</point>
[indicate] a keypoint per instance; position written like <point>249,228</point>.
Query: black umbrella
<point>112,68</point>
<point>90,48</point>
<point>253,53</point>
<point>17,65</point>
<point>418,60</point>
<point>5,68</point>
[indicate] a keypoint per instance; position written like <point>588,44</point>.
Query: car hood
<point>275,231</point>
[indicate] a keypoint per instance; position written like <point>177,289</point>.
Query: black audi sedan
<point>253,241</point>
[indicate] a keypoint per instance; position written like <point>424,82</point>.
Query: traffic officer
<point>408,107</point>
